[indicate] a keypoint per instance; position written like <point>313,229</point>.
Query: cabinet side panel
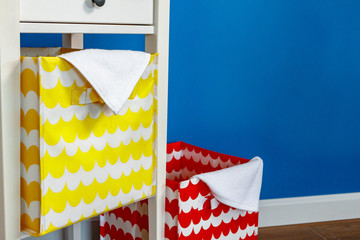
<point>159,42</point>
<point>9,121</point>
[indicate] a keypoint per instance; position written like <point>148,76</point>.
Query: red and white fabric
<point>192,212</point>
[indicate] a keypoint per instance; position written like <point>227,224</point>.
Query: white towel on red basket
<point>238,186</point>
<point>112,73</point>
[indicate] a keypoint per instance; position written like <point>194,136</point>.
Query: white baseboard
<point>287,211</point>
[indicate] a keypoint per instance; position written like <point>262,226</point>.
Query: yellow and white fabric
<point>78,159</point>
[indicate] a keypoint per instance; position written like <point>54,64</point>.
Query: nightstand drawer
<point>84,11</point>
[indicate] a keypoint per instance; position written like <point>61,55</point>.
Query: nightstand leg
<point>9,120</point>
<point>159,43</point>
<point>73,40</point>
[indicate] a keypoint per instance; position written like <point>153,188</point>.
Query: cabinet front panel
<point>84,11</point>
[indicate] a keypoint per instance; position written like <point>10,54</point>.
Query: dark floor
<point>337,230</point>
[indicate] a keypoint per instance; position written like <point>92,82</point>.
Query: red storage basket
<point>189,212</point>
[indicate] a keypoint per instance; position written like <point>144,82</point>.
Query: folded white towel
<point>237,186</point>
<point>112,73</point>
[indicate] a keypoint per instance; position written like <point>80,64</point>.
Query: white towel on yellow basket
<point>112,73</point>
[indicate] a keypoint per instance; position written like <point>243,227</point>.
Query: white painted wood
<point>9,121</point>
<point>287,211</point>
<point>33,12</point>
<point>83,11</point>
<point>74,40</point>
<point>24,235</point>
<point>84,28</point>
<point>159,42</point>
<point>76,234</point>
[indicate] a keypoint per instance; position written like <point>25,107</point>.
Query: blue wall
<point>279,79</point>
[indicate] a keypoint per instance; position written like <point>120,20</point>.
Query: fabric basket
<point>78,159</point>
<point>190,213</point>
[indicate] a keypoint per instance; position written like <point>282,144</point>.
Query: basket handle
<point>81,96</point>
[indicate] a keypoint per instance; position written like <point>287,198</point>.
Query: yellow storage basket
<point>80,160</point>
